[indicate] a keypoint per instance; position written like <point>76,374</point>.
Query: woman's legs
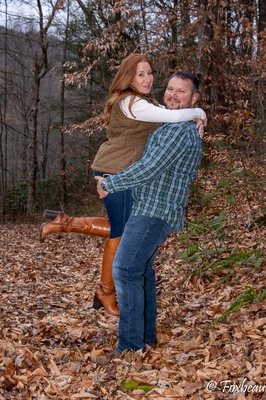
<point>105,293</point>
<point>96,226</point>
<point>118,207</point>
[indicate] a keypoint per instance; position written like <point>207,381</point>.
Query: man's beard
<point>176,105</point>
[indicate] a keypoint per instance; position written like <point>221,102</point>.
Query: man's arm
<point>171,144</point>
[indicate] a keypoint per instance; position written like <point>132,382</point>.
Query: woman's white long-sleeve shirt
<point>127,133</point>
<point>142,110</point>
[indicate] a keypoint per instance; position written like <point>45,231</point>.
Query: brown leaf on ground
<point>53,345</point>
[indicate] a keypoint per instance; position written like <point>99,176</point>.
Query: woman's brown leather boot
<point>105,294</point>
<point>96,226</point>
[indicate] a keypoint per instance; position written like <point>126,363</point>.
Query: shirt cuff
<point>107,185</point>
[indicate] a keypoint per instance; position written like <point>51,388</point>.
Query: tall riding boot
<point>105,294</point>
<point>96,226</point>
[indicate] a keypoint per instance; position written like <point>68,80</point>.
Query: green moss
<point>132,385</point>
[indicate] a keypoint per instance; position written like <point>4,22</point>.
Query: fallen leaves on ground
<point>54,345</point>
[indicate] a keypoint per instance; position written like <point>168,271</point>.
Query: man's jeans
<point>135,283</point>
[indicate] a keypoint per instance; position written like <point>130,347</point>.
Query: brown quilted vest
<point>126,140</point>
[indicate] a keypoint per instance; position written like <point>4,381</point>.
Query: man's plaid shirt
<point>161,179</point>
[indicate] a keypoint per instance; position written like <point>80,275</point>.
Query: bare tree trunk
<point>2,168</point>
<point>33,121</point>
<point>247,27</point>
<point>184,22</point>
<point>261,24</point>
<point>173,20</point>
<point>3,131</point>
<point>262,16</point>
<point>24,169</point>
<point>63,186</point>
<point>261,82</point>
<point>46,136</point>
<point>40,70</point>
<point>143,15</point>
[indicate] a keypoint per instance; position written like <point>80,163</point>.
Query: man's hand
<point>102,193</point>
<point>200,125</point>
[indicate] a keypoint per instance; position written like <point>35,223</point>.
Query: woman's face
<point>143,78</point>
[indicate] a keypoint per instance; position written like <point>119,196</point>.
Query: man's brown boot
<point>95,226</point>
<point>105,294</point>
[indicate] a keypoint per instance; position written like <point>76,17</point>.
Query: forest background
<point>57,59</point>
<point>57,63</point>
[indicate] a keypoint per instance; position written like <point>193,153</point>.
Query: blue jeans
<point>118,207</point>
<point>135,282</point>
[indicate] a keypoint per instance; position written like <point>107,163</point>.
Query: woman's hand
<point>102,193</point>
<point>200,123</point>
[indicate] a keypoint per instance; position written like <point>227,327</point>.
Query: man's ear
<point>195,97</point>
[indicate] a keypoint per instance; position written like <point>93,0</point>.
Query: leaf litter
<point>54,345</point>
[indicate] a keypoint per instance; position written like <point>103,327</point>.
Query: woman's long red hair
<point>121,85</point>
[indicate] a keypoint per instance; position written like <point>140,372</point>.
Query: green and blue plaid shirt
<point>161,178</point>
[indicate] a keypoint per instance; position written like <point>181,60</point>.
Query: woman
<point>131,115</point>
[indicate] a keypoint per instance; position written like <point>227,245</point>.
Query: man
<point>160,184</point>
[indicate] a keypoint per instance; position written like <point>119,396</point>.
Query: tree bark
<point>3,130</point>
<point>262,16</point>
<point>63,186</point>
<point>40,69</point>
<point>32,151</point>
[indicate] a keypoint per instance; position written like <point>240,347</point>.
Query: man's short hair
<point>188,76</point>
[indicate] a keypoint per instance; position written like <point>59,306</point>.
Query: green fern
<point>206,199</point>
<point>202,227</point>
<point>196,228</point>
<point>230,198</point>
<point>190,252</point>
<point>225,183</point>
<point>210,253</point>
<point>249,296</point>
<point>228,277</point>
<point>196,253</point>
<point>217,223</point>
<point>207,225</point>
<point>259,221</point>
<point>254,259</point>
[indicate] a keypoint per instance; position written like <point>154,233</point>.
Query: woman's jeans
<point>135,281</point>
<point>118,207</point>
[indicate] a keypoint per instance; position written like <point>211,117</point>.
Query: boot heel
<point>96,303</point>
<point>41,239</point>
